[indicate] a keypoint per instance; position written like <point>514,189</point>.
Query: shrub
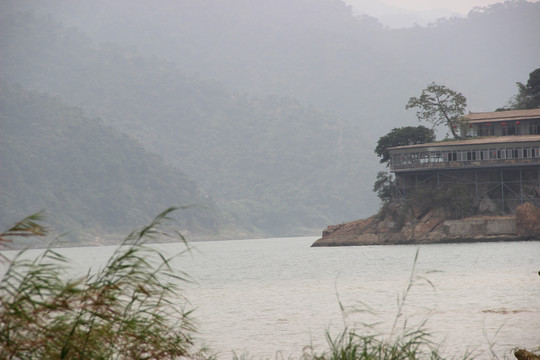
<point>456,200</point>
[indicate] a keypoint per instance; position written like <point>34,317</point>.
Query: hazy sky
<point>460,6</point>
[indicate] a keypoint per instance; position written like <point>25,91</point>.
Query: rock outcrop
<point>394,225</point>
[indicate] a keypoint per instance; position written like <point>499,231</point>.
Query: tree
<point>440,105</point>
<point>408,135</point>
<point>528,96</point>
<point>384,186</point>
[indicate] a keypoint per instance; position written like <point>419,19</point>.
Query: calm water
<point>261,296</point>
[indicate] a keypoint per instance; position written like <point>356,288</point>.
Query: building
<point>499,161</point>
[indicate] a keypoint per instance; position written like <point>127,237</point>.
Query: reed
<point>132,308</point>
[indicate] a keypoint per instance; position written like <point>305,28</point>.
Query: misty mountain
<point>86,177</point>
<point>320,53</point>
<point>281,167</point>
<point>274,107</point>
<point>394,17</point>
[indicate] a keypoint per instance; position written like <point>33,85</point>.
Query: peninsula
<point>484,186</point>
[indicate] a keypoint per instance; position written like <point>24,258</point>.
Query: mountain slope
<point>282,165</point>
<point>283,168</point>
<point>87,177</point>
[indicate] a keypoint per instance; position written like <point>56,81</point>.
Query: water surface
<point>261,296</point>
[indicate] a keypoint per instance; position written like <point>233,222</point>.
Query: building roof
<point>498,116</point>
<point>517,139</point>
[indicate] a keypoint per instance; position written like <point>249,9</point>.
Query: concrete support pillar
<point>521,186</point>
<point>502,190</point>
<point>476,185</point>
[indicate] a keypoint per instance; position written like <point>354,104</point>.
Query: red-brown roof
<point>510,115</point>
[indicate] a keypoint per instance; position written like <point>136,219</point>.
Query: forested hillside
<point>282,167</point>
<point>86,176</point>
<point>272,106</point>
<point>320,53</point>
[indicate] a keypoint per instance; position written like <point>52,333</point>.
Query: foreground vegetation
<point>130,309</point>
<point>133,308</point>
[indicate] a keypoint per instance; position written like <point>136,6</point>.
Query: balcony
<point>477,153</point>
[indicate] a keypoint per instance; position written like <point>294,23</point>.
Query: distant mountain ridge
<point>85,176</point>
<point>318,52</point>
<point>394,17</point>
<point>279,166</point>
<point>274,107</point>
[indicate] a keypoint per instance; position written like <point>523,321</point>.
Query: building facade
<point>499,160</point>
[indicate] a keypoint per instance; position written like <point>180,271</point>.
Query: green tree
<point>528,96</point>
<point>408,135</point>
<point>440,105</point>
<point>384,186</point>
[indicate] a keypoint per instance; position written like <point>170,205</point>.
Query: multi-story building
<point>499,161</point>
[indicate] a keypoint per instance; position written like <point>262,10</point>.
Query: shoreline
<point>435,228</point>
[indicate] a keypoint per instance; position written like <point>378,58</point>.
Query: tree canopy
<point>528,96</point>
<point>440,105</point>
<point>408,135</point>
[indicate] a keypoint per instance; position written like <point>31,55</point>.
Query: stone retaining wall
<point>472,227</point>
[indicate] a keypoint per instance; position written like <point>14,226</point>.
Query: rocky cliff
<point>394,225</point>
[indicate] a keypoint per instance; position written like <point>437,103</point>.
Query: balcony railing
<point>464,164</point>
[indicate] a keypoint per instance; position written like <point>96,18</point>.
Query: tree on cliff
<point>408,135</point>
<point>385,186</point>
<point>528,96</point>
<point>440,105</point>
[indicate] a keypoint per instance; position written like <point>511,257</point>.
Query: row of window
<point>516,128</point>
<point>466,155</point>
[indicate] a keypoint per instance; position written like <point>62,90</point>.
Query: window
<point>534,127</point>
<point>484,154</point>
<point>509,129</point>
<point>486,130</point>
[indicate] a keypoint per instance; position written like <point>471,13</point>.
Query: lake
<point>267,295</point>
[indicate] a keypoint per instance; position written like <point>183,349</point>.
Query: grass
<point>132,308</point>
<point>403,342</point>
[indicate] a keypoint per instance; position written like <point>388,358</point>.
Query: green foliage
<point>440,105</point>
<point>384,186</point>
<point>27,227</point>
<point>408,135</point>
<point>403,343</point>
<point>350,345</point>
<point>132,308</point>
<point>528,96</point>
